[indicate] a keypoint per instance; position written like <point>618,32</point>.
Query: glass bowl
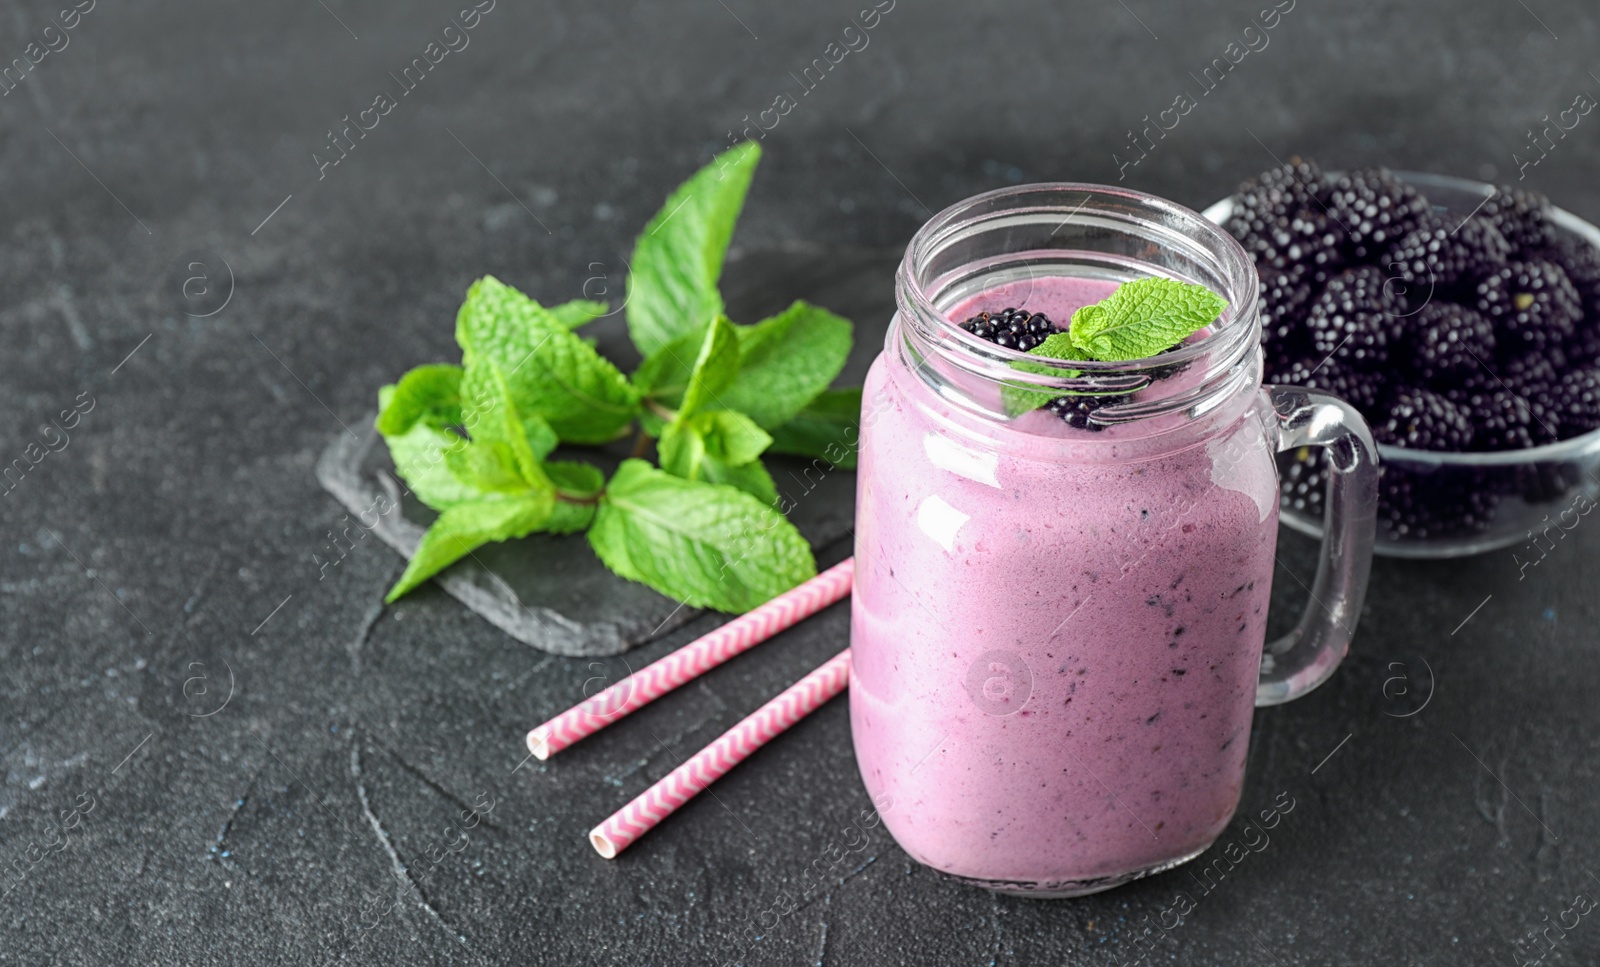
<point>1469,503</point>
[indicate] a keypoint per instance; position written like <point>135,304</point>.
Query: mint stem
<point>572,498</point>
<point>641,445</point>
<point>659,410</point>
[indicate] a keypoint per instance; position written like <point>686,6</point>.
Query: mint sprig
<point>1139,319</point>
<point>475,441</point>
<point>1143,317</point>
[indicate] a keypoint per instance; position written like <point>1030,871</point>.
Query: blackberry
<point>1307,238</point>
<point>1576,400</point>
<point>1170,369</point>
<point>1374,209</point>
<point>1302,174</point>
<point>1584,346</point>
<point>1284,294</point>
<point>1419,506</point>
<point>1421,419</point>
<point>1277,194</point>
<point>1012,328</point>
<point>1533,303</point>
<point>1535,372</point>
<point>1463,387</point>
<point>1447,338</point>
<point>1303,481</point>
<point>1504,421</point>
<point>1077,410</point>
<point>1438,254</point>
<point>1534,377</point>
<point>1581,261</point>
<point>1284,297</point>
<point>1364,391</point>
<point>1522,217</point>
<point>1357,317</point>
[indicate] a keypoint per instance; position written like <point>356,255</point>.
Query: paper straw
<point>692,660</point>
<point>709,764</point>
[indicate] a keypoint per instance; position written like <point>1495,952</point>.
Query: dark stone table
<point>252,754</point>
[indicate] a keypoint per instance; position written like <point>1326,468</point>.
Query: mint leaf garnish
<point>707,545</point>
<point>827,428</point>
<point>672,289</point>
<point>1142,318</point>
<point>1019,398</point>
<point>719,446</point>
<point>552,373</point>
<point>785,361</point>
<point>1138,320</point>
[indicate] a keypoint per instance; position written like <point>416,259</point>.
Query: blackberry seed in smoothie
<point>1058,622</point>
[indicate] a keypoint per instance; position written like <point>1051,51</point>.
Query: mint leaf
<point>420,457</point>
<point>491,415</point>
<point>501,466</point>
<point>1143,317</point>
<point>1019,398</point>
<point>672,288</point>
<point>753,478</point>
<point>486,467</point>
<point>827,428</point>
<point>578,487</point>
<point>664,374</point>
<point>551,372</point>
<point>431,393</point>
<point>785,361</point>
<point>707,545</point>
<point>719,446</point>
<point>574,480</point>
<point>464,528</point>
<point>578,312</point>
<point>715,367</point>
<point>665,377</point>
<point>1059,345</point>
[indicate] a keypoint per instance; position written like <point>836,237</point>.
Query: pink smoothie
<point>1056,637</point>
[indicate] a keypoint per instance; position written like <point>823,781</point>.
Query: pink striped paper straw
<point>711,763</point>
<point>692,660</point>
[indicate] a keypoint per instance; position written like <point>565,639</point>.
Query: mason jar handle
<point>1304,658</point>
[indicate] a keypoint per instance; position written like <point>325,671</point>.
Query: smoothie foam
<point>1055,654</point>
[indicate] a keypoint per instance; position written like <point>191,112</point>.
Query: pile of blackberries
<point>1012,328</point>
<point>1449,331</point>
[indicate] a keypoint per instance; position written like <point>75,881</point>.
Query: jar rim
<point>1236,329</point>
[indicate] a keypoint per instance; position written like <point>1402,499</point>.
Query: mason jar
<point>1059,613</point>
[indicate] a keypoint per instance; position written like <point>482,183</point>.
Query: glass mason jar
<point>1057,627</point>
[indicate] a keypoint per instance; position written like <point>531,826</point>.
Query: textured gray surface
<point>183,512</point>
